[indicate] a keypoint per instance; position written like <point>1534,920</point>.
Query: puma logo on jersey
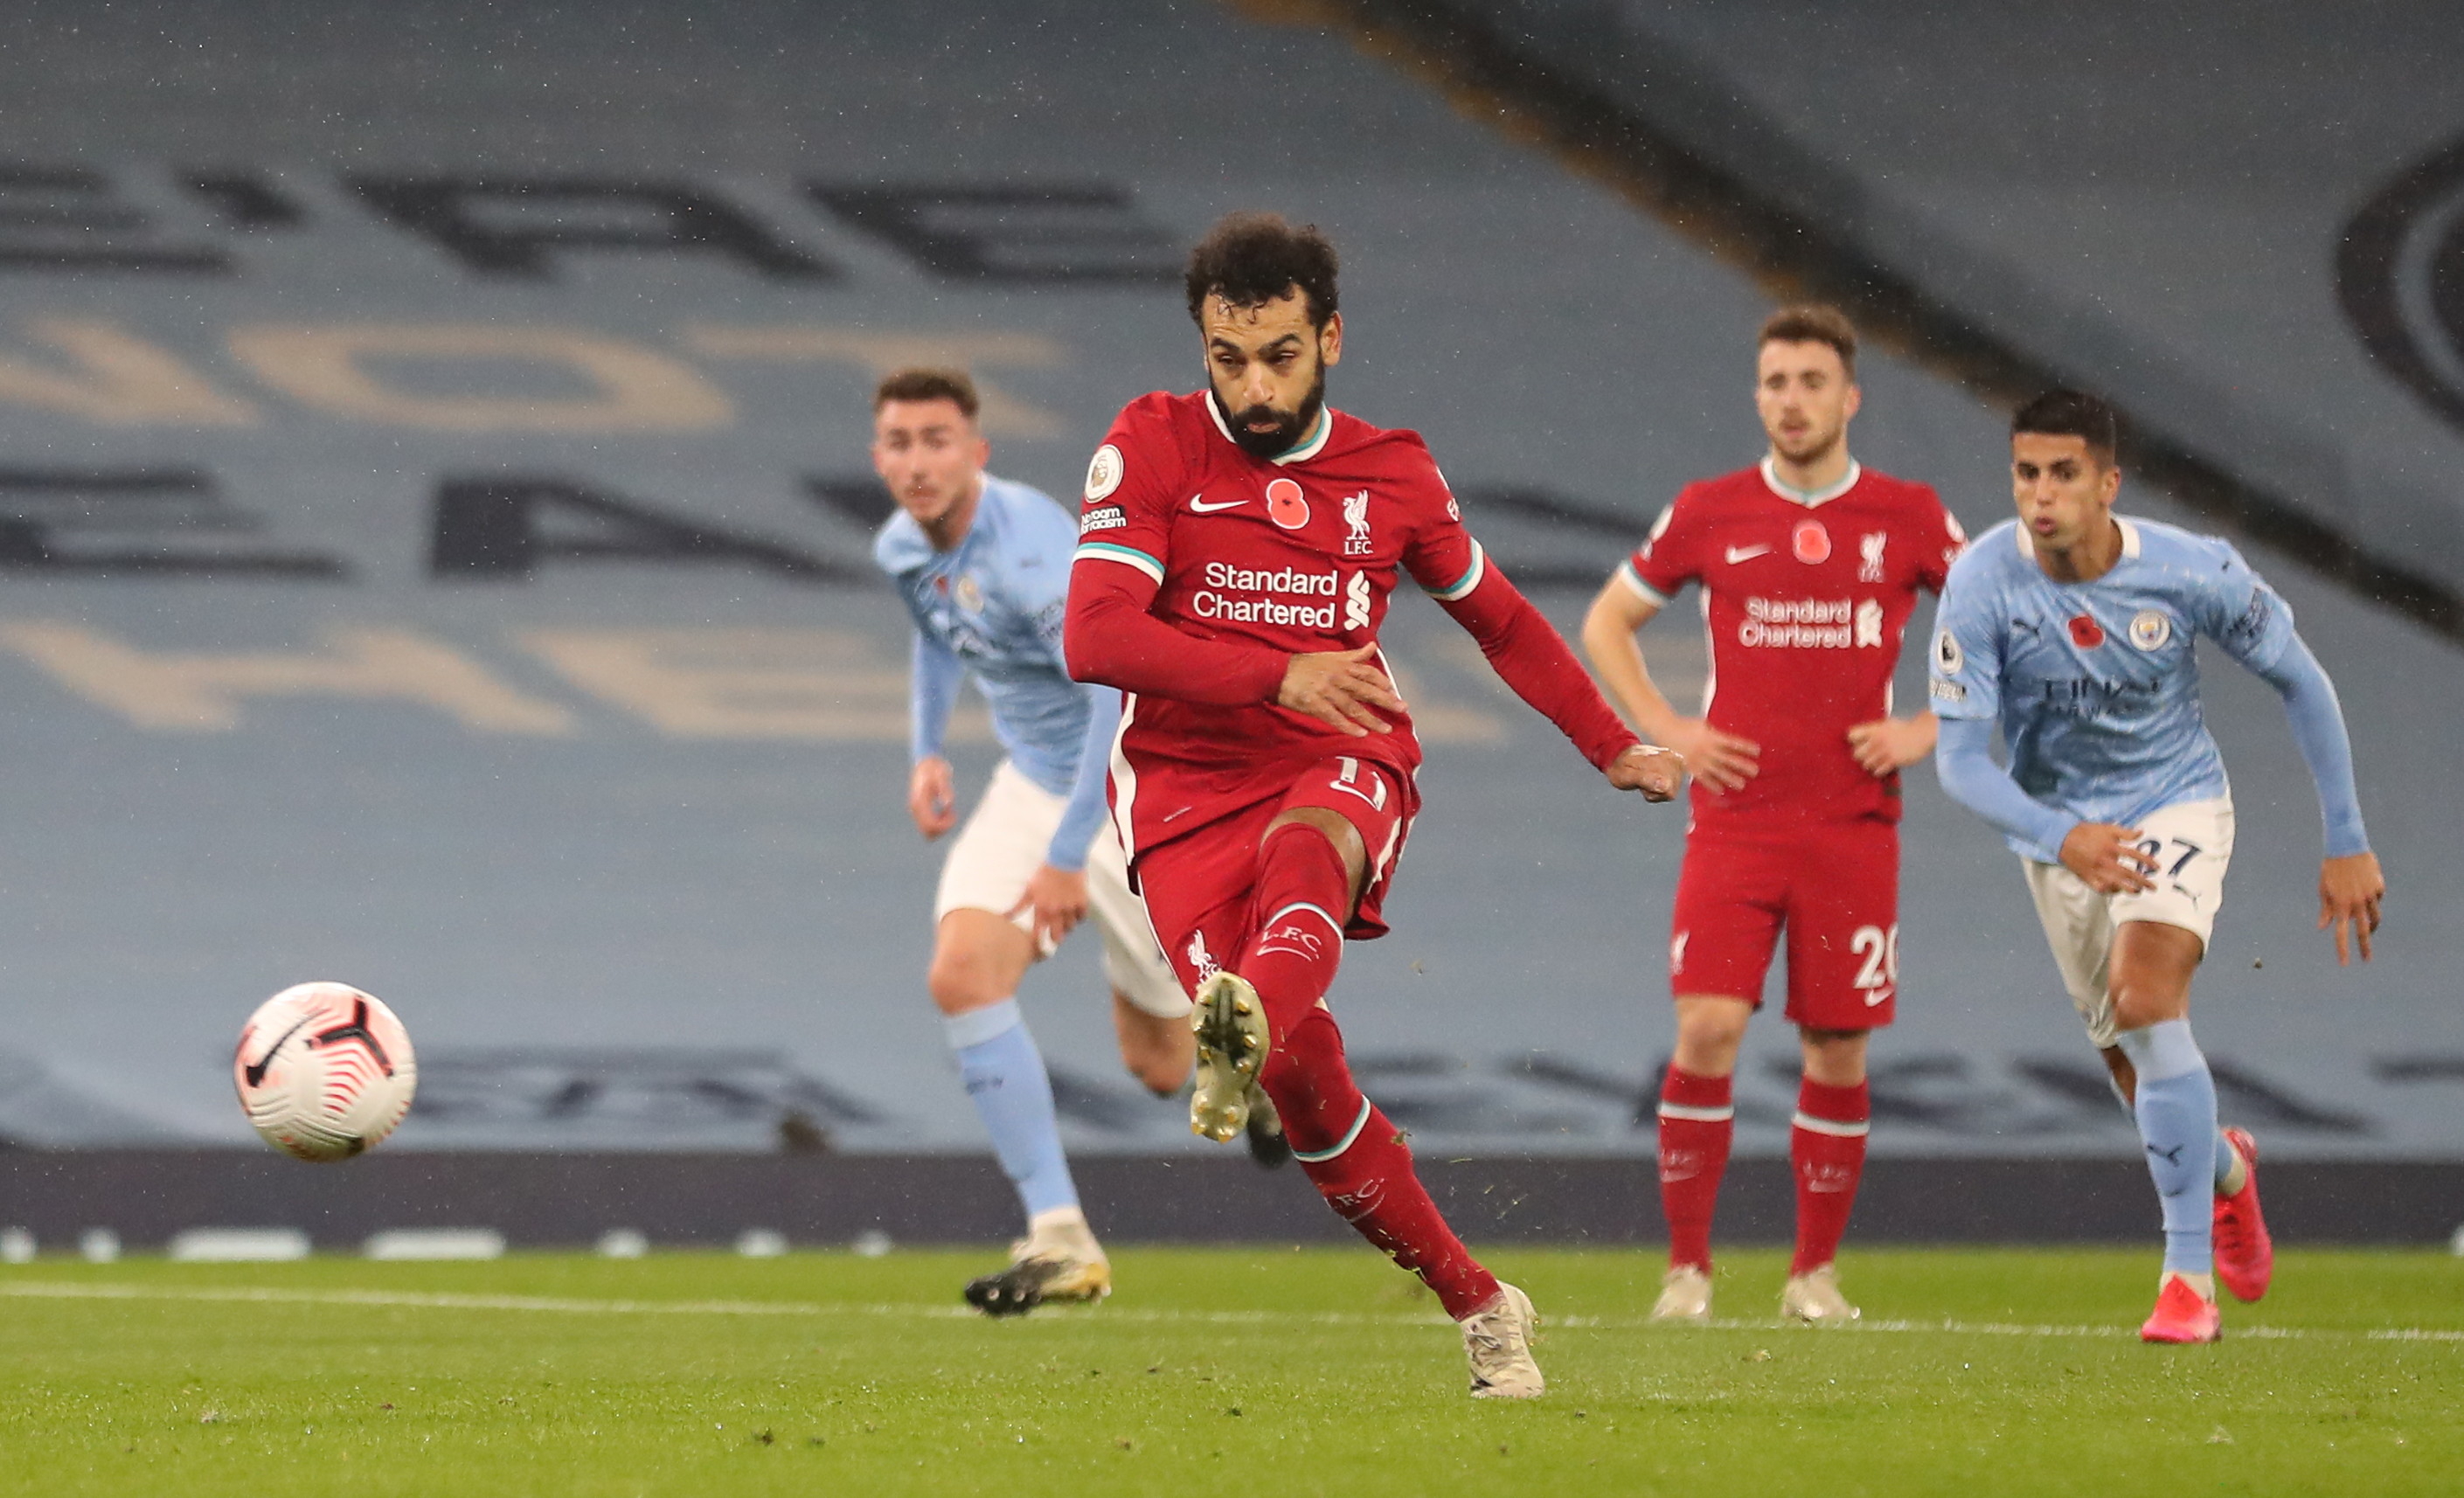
<point>1198,504</point>
<point>1737,554</point>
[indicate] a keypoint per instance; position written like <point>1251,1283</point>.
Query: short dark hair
<point>1249,259</point>
<point>1813,322</point>
<point>2071,413</point>
<point>928,385</point>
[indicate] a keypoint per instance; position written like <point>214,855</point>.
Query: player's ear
<point>1854,398</point>
<point>1329,339</point>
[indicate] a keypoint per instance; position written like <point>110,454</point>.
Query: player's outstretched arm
<point>1723,761</point>
<point>1650,769</point>
<point>2350,884</point>
<point>1530,656</point>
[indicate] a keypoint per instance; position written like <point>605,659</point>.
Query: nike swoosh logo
<point>1737,554</point>
<point>257,1073</point>
<point>1201,507</point>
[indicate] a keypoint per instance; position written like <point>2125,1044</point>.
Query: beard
<point>1813,447</point>
<point>1288,428</point>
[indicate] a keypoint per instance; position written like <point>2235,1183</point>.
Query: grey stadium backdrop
<point>435,513</point>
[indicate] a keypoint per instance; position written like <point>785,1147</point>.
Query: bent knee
<point>2137,1012</point>
<point>959,982</point>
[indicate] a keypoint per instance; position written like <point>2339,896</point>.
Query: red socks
<point>1357,1159</point>
<point>1297,911</point>
<point>1352,1153</point>
<point>1696,1121</point>
<point>1827,1147</point>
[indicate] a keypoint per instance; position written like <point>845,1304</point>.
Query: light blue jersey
<point>2096,684</point>
<point>992,606</point>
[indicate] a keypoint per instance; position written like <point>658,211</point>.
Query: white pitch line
<point>445,1300</point>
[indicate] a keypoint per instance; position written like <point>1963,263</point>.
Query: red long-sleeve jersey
<point>1201,570</point>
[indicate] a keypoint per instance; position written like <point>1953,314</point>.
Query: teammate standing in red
<point>1810,567</point>
<point>1236,555</point>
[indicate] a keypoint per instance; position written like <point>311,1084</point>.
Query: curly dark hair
<point>2071,413</point>
<point>1250,259</point>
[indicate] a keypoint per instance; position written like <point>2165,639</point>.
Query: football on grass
<point>324,1072</point>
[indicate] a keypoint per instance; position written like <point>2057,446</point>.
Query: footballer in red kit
<point>1810,566</point>
<point>1236,550</point>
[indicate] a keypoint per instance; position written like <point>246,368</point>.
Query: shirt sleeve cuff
<point>1633,580</point>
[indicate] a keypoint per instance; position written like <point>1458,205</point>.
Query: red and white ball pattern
<point>324,1072</point>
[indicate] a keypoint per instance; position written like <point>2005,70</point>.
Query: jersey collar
<point>1811,498</point>
<point>2130,538</point>
<point>1305,448</point>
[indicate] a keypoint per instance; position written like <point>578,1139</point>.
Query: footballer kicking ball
<point>324,1072</point>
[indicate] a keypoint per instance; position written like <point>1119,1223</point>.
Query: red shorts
<point>1198,885</point>
<point>1834,885</point>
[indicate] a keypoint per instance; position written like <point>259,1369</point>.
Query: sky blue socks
<point>2177,1123</point>
<point>1005,1076</point>
<point>2225,1159</point>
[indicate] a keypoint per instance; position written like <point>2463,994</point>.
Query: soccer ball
<point>324,1072</point>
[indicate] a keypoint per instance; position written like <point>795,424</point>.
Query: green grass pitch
<point>1264,1371</point>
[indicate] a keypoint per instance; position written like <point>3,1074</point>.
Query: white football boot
<point>1232,1043</point>
<point>1814,1297</point>
<point>1497,1338</point>
<point>1684,1295</point>
<point>1057,1259</point>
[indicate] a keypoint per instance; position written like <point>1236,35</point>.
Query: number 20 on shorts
<point>1880,950</point>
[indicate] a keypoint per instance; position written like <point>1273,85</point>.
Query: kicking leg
<point>1827,1150</point>
<point>976,964</point>
<point>1311,865</point>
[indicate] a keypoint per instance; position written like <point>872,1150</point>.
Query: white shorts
<point>2193,845</point>
<point>1005,842</point>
